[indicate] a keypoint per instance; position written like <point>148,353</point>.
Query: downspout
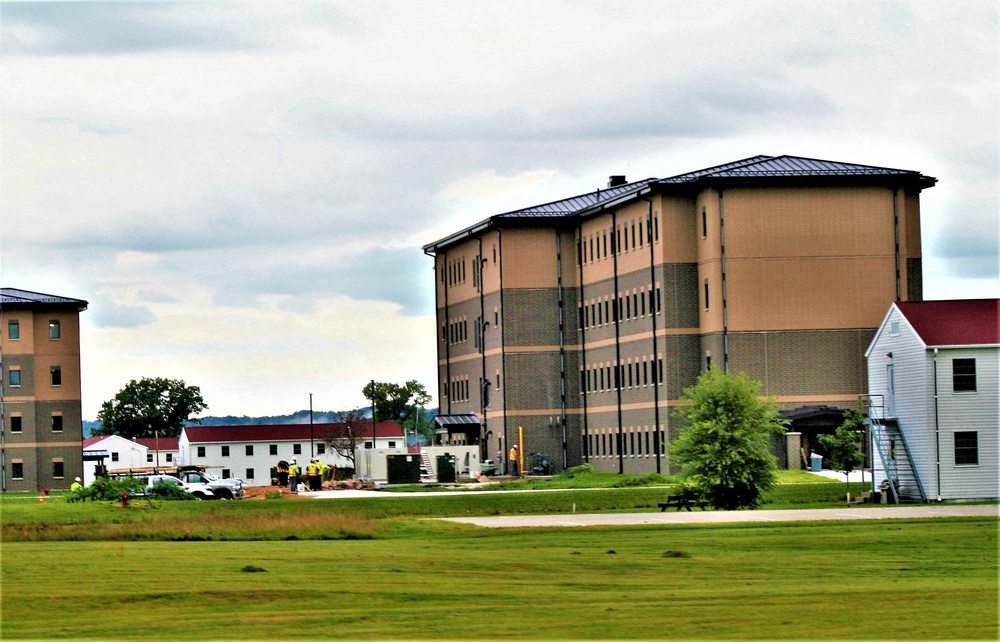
<point>937,426</point>
<point>447,331</point>
<point>652,316</point>
<point>618,347</point>
<point>503,350</point>
<point>484,382</point>
<point>725,308</point>
<point>895,231</point>
<point>562,348</point>
<point>583,343</point>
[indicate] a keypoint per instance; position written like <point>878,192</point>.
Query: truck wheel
<point>223,494</point>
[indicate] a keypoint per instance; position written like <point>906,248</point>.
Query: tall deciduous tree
<point>724,446</point>
<point>394,402</point>
<point>843,446</point>
<point>148,407</point>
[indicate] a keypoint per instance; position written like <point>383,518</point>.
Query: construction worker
<point>312,471</point>
<point>76,490</point>
<point>513,461</point>
<point>293,475</point>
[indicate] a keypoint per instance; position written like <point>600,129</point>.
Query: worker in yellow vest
<point>293,476</point>
<point>513,461</point>
<point>312,471</point>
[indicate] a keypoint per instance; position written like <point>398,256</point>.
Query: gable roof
<point>960,322</point>
<point>282,432</point>
<point>759,170</point>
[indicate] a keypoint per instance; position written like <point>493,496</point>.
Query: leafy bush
<point>107,489</point>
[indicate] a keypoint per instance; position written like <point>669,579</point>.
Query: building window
<point>272,449</point>
<point>15,423</point>
<point>114,456</point>
<point>967,448</point>
<point>54,331</point>
<point>57,423</point>
<point>14,377</point>
<point>170,457</point>
<point>149,458</point>
<point>249,473</point>
<point>706,294</point>
<point>249,450</point>
<point>296,449</point>
<point>894,328</point>
<point>225,451</point>
<point>704,223</point>
<point>58,469</point>
<point>55,375</point>
<point>963,372</point>
<point>14,330</point>
<point>201,451</point>
<point>226,473</point>
<point>321,448</point>
<point>16,470</point>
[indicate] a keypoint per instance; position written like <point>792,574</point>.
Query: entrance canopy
<point>457,429</point>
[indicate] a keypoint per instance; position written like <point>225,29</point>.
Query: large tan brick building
<point>41,400</point>
<point>581,321</point>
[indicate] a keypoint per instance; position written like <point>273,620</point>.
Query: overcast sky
<point>241,189</point>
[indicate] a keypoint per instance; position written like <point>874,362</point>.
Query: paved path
<point>719,517</point>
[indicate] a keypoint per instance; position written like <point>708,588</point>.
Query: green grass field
<point>378,569</point>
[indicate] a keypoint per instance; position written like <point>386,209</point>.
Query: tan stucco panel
<point>529,247</point>
<point>808,293</point>
<point>808,222</point>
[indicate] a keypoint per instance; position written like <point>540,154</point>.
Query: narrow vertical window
<point>640,233</point>
<point>54,331</point>
<point>55,375</point>
<point>14,330</point>
<point>704,223</point>
<point>57,423</point>
<point>706,294</point>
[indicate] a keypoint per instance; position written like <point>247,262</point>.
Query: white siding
<point>970,411</point>
<point>914,396</point>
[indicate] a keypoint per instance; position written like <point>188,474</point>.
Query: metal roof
<point>755,170</point>
<point>17,297</point>
<point>285,432</point>
<point>449,420</point>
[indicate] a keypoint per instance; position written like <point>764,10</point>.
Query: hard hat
<point>77,479</point>
<point>293,460</point>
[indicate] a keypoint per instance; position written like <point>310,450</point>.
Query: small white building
<point>934,390</point>
<point>250,452</point>
<point>121,453</point>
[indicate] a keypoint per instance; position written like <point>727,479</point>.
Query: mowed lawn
<point>420,579</point>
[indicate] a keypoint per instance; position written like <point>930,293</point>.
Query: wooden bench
<point>685,500</point>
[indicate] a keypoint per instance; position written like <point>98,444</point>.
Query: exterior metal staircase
<point>903,482</point>
<point>426,471</point>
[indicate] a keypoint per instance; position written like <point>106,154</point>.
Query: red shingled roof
<point>283,432</point>
<point>954,323</point>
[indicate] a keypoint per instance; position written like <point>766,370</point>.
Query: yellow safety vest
<point>293,470</point>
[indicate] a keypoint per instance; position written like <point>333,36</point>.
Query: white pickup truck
<point>201,491</point>
<point>223,488</point>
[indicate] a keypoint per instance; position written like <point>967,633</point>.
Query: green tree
<point>148,407</point>
<point>394,402</point>
<point>724,445</point>
<point>843,446</point>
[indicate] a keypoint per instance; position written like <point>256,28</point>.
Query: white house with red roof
<point>934,390</point>
<point>250,452</point>
<point>118,453</point>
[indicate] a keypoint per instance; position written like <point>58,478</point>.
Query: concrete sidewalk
<point>721,517</point>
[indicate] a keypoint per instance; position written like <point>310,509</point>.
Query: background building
<point>582,321</point>
<point>41,400</point>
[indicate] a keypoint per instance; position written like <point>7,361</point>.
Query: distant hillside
<point>299,417</point>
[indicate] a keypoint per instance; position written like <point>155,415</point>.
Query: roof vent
<point>616,180</point>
